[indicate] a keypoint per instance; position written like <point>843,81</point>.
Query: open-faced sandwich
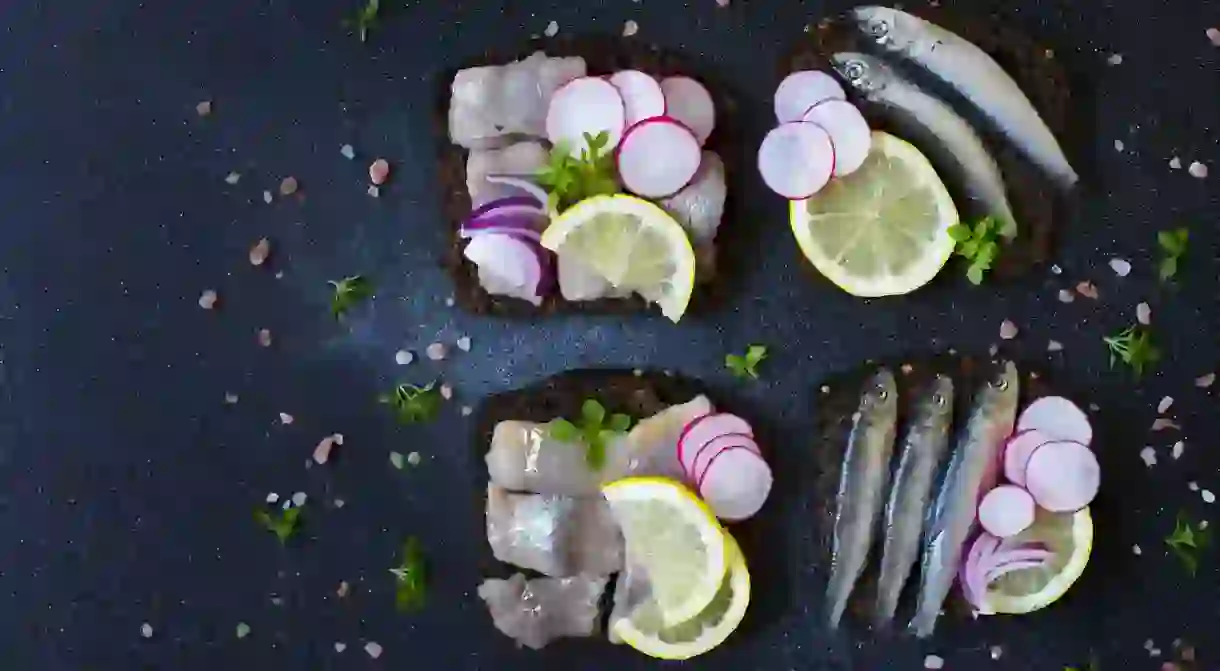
<point>600,479</point>
<point>584,175</point>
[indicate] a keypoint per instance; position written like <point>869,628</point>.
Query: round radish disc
<point>1017,449</point>
<point>710,450</point>
<point>848,130</point>
<point>801,90</point>
<point>796,159</point>
<point>689,102</point>
<point>697,433</point>
<point>1063,476</point>
<point>736,484</point>
<point>1058,418</point>
<point>1006,511</point>
<point>658,157</point>
<point>642,96</point>
<point>586,105</point>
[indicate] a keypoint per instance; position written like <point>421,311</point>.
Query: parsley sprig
<point>364,19</point>
<point>413,404</point>
<point>594,430</point>
<point>282,525</point>
<point>746,365</point>
<point>1133,346</point>
<point>979,245</point>
<point>570,179</point>
<point>349,291</point>
<point>410,577</point>
<point>1186,541</point>
<point>1173,248</point>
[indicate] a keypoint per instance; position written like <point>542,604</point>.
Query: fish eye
<point>938,400</point>
<point>879,28</point>
<point>854,70</point>
<point>1000,384</point>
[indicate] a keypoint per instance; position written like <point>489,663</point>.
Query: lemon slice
<point>883,230</point>
<point>675,539</point>
<point>645,632</point>
<point>1070,537</point>
<point>632,243</point>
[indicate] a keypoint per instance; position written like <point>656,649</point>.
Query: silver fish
<point>922,448</point>
<point>861,487</point>
<point>974,74</point>
<point>971,470</point>
<point>943,131</point>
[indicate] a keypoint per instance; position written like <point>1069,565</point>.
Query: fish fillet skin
<point>521,158</point>
<point>971,471</point>
<point>975,75</point>
<point>558,536</point>
<point>922,448</point>
<point>494,105</point>
<point>536,612</point>
<point>861,488</point>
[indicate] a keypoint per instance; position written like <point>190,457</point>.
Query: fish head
<point>880,393</point>
<point>940,395</point>
<point>864,72</point>
<point>882,25</point>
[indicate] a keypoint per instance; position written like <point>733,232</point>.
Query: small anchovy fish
<point>975,75</point>
<point>971,470</point>
<point>861,487</point>
<point>942,130</point>
<point>923,446</point>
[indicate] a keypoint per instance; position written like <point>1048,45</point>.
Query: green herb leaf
<point>364,19</point>
<point>282,525</point>
<point>979,245</point>
<point>570,179</point>
<point>592,413</point>
<point>1173,248</point>
<point>564,431</point>
<point>960,233</point>
<point>620,423</point>
<point>974,273</point>
<point>348,292</point>
<point>1133,346</point>
<point>1187,541</point>
<point>593,431</point>
<point>746,365</point>
<point>411,577</point>
<point>413,404</point>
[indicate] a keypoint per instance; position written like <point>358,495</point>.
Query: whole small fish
<point>929,118</point>
<point>970,471</point>
<point>861,487</point>
<point>975,75</point>
<point>923,446</point>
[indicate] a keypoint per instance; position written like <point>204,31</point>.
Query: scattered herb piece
<point>364,19</point>
<point>283,525</point>
<point>1186,541</point>
<point>569,179</point>
<point>1133,346</point>
<point>746,365</point>
<point>979,245</point>
<point>1173,248</point>
<point>414,404</point>
<point>348,292</point>
<point>594,431</point>
<point>411,577</point>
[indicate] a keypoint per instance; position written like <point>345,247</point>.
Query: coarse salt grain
<point>463,343</point>
<point>1066,296</point>
<point>1137,550</point>
<point>146,630</point>
<point>396,460</point>
<point>1165,404</point>
<point>1056,269</point>
<point>993,350</point>
<point>1177,449</point>
<point>1149,456</point>
<point>273,497</point>
<point>449,302</point>
<point>373,649</point>
<point>338,438</point>
<point>340,647</point>
<point>286,418</point>
<point>630,28</point>
<point>264,337</point>
<point>1115,59</point>
<point>204,108</point>
<point>1161,423</point>
<point>374,191</point>
<point>243,630</point>
<point>1121,267</point>
<point>1197,170</point>
<point>232,178</point>
<point>1208,496</point>
<point>347,151</point>
<point>933,662</point>
<point>1054,346</point>
<point>402,357</point>
<point>467,411</point>
<point>207,300</point>
<point>1008,330</point>
<point>1118,145</point>
<point>414,458</point>
<point>267,197</point>
<point>1213,36</point>
<point>339,503</point>
<point>996,652</point>
<point>1205,381</point>
<point>260,251</point>
<point>230,398</point>
<point>343,590</point>
<point>288,186</point>
<point>321,453</point>
<point>299,499</point>
<point>1192,486</point>
<point>722,3</point>
<point>379,171</point>
<point>436,351</point>
<point>1143,314</point>
<point>1175,163</point>
<point>1087,289</point>
<point>552,29</point>
<point>446,391</point>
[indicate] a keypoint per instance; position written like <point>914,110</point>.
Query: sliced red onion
<point>511,211</point>
<point>990,558</point>
<point>1004,569</point>
<point>512,264</point>
<point>973,574</point>
<point>507,202</point>
<point>522,182</point>
<point>511,221</point>
<point>523,233</point>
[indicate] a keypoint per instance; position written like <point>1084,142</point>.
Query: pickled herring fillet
<point>558,536</point>
<point>536,612</point>
<point>494,105</point>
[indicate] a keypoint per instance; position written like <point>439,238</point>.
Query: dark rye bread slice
<point>604,55</point>
<point>1042,210</point>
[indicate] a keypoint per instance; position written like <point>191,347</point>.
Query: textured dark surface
<point>127,484</point>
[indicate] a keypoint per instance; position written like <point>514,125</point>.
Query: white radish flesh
<point>1058,418</point>
<point>706,454</point>
<point>796,159</point>
<point>1006,511</point>
<point>849,132</point>
<point>642,96</point>
<point>1063,476</point>
<point>689,102</point>
<point>737,484</point>
<point>587,105</point>
<point>801,90</point>
<point>658,157</point>
<point>703,429</point>
<point>1017,449</point>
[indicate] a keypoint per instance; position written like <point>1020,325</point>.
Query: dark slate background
<point>127,484</point>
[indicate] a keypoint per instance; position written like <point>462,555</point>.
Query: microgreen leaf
<point>282,525</point>
<point>979,245</point>
<point>411,577</point>
<point>619,422</point>
<point>1173,248</point>
<point>564,431</point>
<point>746,365</point>
<point>592,412</point>
<point>364,19</point>
<point>593,431</point>
<point>1133,346</point>
<point>347,293</point>
<point>569,179</point>
<point>414,404</point>
<point>1186,541</point>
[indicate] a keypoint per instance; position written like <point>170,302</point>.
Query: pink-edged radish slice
<point>801,90</point>
<point>1058,418</point>
<point>848,130</point>
<point>642,96</point>
<point>1017,449</point>
<point>585,105</point>
<point>1063,476</point>
<point>736,484</point>
<point>704,456</point>
<point>699,431</point>
<point>796,159</point>
<point>658,157</point>
<point>689,102</point>
<point>1006,511</point>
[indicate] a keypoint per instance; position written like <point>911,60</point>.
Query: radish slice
<point>1063,476</point>
<point>512,266</point>
<point>586,105</point>
<point>796,159</point>
<point>522,182</point>
<point>713,448</point>
<point>689,102</point>
<point>658,157</point>
<point>523,203</point>
<point>848,130</point>
<point>1017,449</point>
<point>801,90</point>
<point>1006,511</point>
<point>699,431</point>
<point>642,95</point>
<point>736,484</point>
<point>1058,418</point>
